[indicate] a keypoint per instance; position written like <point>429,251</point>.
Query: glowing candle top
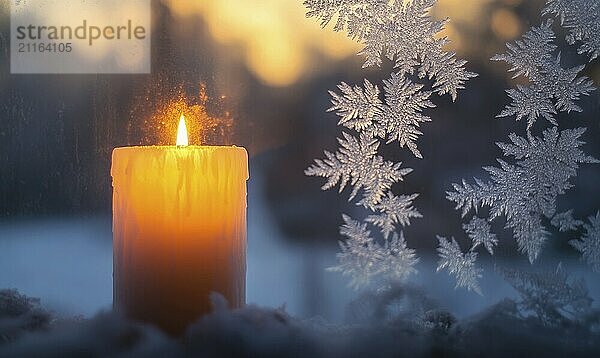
<point>182,136</point>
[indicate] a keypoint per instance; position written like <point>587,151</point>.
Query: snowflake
<point>589,244</point>
<point>526,192</point>
<point>582,18</point>
<point>462,266</point>
<point>552,296</point>
<point>400,31</point>
<point>357,163</point>
<point>393,210</point>
<point>363,259</point>
<point>402,114</point>
<point>358,108</point>
<point>565,222</point>
<point>398,119</point>
<point>552,88</point>
<point>479,231</point>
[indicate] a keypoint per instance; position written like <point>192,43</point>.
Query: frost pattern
<point>480,232</point>
<point>525,192</point>
<point>565,222</point>
<point>398,30</point>
<point>552,296</point>
<point>589,244</point>
<point>393,210</point>
<point>462,266</point>
<point>525,187</point>
<point>398,119</point>
<point>357,163</point>
<point>363,259</point>
<point>552,88</point>
<point>404,33</point>
<point>582,19</point>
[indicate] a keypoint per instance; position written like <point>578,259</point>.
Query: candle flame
<point>182,135</point>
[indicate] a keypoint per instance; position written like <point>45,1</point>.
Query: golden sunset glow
<point>279,44</point>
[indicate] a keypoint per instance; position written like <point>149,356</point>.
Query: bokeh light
<point>279,44</point>
<point>505,24</point>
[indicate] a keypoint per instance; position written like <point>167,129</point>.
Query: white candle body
<point>179,231</point>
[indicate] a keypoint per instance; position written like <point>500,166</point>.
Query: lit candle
<point>179,230</point>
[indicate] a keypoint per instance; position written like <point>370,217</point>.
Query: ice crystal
<point>400,31</point>
<point>461,265</point>
<point>393,210</point>
<point>398,119</point>
<point>364,260</point>
<point>552,88</point>
<point>565,222</point>
<point>357,163</point>
<point>358,107</point>
<point>582,19</point>
<point>589,244</point>
<point>479,231</point>
<point>526,192</point>
<point>552,296</point>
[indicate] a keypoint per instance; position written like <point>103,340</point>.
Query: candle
<point>179,230</point>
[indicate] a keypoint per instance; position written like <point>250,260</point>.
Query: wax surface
<point>179,231</point>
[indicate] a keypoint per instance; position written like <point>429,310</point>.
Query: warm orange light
<point>179,216</point>
<point>182,135</point>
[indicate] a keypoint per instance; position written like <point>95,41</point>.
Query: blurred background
<point>254,73</point>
